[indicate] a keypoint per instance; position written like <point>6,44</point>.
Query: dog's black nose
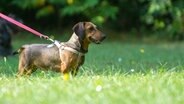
<point>103,37</point>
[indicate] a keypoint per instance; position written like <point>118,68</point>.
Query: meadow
<point>115,72</point>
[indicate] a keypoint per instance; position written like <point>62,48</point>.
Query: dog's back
<point>40,56</point>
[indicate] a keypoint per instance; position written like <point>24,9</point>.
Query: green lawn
<point>113,73</point>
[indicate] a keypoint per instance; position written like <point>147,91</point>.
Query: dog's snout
<point>103,37</point>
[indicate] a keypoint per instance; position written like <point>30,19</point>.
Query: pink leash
<point>25,27</point>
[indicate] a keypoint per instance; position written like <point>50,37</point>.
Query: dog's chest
<point>71,60</point>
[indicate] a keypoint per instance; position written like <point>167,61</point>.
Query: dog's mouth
<point>94,41</point>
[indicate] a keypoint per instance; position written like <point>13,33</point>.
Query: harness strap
<point>62,47</point>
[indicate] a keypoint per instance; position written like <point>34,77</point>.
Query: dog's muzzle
<point>97,41</point>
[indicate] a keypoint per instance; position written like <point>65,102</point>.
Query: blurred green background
<point>156,18</point>
<point>141,62</point>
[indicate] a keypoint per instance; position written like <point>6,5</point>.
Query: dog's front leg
<point>65,71</point>
<point>75,71</point>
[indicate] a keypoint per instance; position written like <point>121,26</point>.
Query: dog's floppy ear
<point>79,30</point>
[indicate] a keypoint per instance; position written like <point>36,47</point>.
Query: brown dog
<point>61,57</point>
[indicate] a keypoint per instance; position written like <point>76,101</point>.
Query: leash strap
<point>25,27</point>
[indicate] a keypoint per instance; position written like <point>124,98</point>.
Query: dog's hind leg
<point>24,67</point>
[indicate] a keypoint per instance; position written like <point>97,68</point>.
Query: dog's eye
<point>91,29</point>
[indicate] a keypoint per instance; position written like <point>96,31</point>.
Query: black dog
<point>6,30</point>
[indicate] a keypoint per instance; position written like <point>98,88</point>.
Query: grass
<point>113,73</point>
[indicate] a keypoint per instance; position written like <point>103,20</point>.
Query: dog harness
<point>62,46</point>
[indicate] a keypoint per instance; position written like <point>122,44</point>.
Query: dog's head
<point>88,31</point>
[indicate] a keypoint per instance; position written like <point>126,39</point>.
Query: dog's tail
<point>18,51</point>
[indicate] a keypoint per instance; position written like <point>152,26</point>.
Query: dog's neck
<point>76,43</point>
